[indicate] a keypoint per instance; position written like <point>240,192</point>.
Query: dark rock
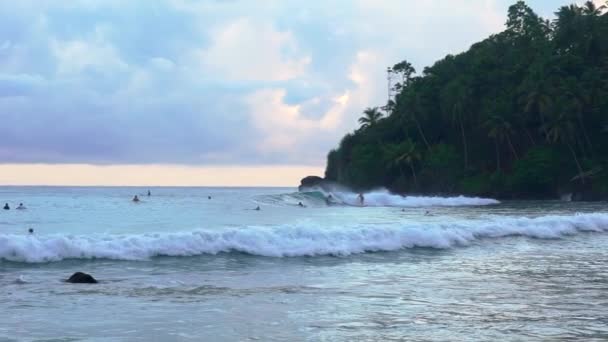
<point>81,278</point>
<point>310,181</point>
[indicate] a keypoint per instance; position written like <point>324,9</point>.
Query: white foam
<point>20,280</point>
<point>383,198</point>
<point>293,240</point>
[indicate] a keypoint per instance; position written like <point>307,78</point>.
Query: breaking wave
<point>293,240</point>
<point>377,198</point>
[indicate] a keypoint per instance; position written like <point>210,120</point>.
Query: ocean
<point>200,264</point>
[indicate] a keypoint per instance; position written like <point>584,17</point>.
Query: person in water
<point>208,197</point>
<point>149,193</point>
<point>300,204</point>
<point>135,199</point>
<point>361,199</point>
<point>6,207</point>
<point>21,206</point>
<point>257,208</point>
<point>31,231</point>
<point>328,199</point>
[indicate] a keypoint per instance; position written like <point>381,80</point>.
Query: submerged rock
<point>80,277</point>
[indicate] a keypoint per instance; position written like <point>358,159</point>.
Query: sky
<point>214,92</point>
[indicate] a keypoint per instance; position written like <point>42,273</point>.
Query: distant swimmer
<point>300,204</point>
<point>21,206</point>
<point>6,207</point>
<point>31,231</point>
<point>149,193</point>
<point>361,199</point>
<point>427,213</point>
<point>208,197</point>
<point>135,199</point>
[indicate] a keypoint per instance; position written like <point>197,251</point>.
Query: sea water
<point>199,264</point>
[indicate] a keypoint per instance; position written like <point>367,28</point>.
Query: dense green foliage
<point>523,113</point>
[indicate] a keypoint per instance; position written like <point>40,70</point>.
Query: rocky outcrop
<point>310,182</point>
<point>81,278</point>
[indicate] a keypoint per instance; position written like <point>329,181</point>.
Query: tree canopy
<point>523,113</point>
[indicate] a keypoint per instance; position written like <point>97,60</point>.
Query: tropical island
<point>521,114</point>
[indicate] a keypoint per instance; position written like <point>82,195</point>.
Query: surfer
<point>21,206</point>
<point>136,199</point>
<point>257,208</point>
<point>328,199</point>
<point>361,199</point>
<point>300,204</point>
<point>6,207</point>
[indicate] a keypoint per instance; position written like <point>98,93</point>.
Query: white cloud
<point>74,56</point>
<point>252,51</point>
<point>162,64</point>
<point>283,126</point>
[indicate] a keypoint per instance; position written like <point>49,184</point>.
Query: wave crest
<point>292,240</point>
<point>376,198</point>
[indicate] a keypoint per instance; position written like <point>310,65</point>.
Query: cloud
<point>210,82</point>
<point>285,127</point>
<point>19,84</point>
<point>76,56</point>
<point>244,50</point>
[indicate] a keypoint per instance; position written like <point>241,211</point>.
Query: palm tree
<point>576,29</point>
<point>458,113</point>
<point>561,130</point>
<point>538,101</point>
<point>591,9</point>
<point>500,130</point>
<point>567,27</point>
<point>578,99</point>
<point>414,110</point>
<point>370,117</point>
<point>493,124</point>
<point>455,105</point>
<point>397,155</point>
<point>410,157</point>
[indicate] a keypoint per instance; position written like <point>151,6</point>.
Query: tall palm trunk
<point>578,165</point>
<point>512,147</point>
<point>585,135</point>
<point>543,125</point>
<point>421,132</point>
<point>529,135</point>
<point>581,145</point>
<point>414,175</point>
<point>497,154</point>
<point>464,145</point>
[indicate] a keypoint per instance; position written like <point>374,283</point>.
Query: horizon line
<point>166,175</point>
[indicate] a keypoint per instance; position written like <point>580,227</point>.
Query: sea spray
<point>293,240</point>
<point>383,198</point>
<point>376,198</point>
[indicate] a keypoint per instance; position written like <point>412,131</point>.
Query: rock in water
<point>80,277</point>
<point>310,181</point>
